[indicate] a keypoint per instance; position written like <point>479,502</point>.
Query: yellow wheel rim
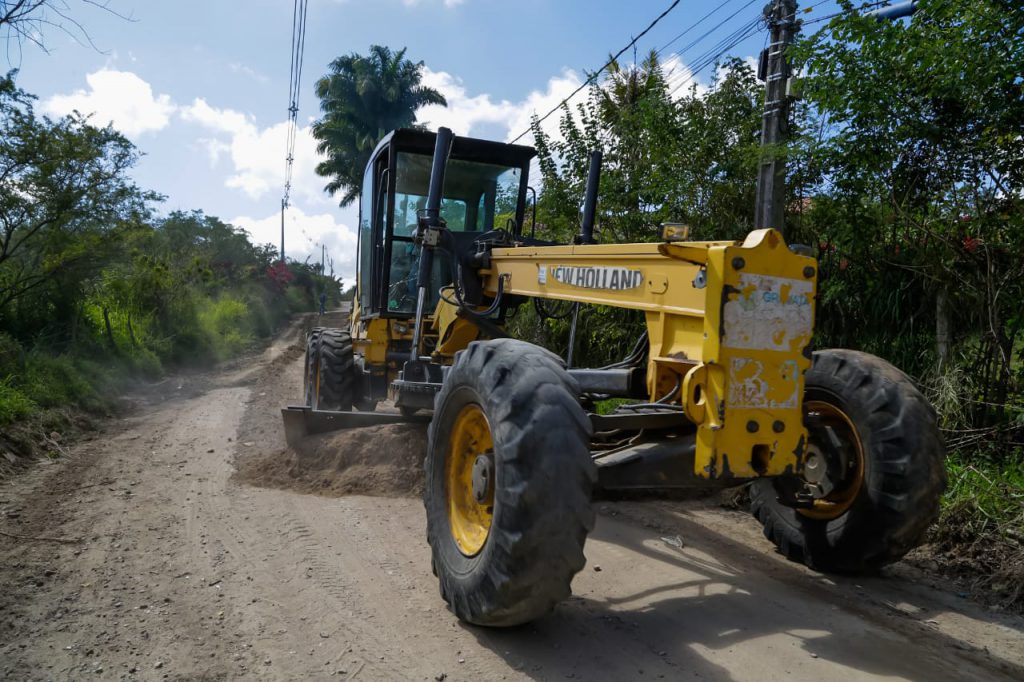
<point>843,495</point>
<point>469,480</point>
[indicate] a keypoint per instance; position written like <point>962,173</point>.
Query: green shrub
<point>146,363</point>
<point>299,300</point>
<point>260,318</point>
<point>51,381</point>
<point>228,326</point>
<point>11,355</point>
<point>13,403</point>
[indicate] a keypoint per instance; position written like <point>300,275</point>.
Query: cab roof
<point>465,148</point>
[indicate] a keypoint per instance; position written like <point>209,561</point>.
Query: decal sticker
<point>752,384</point>
<point>542,274</point>
<point>768,313</point>
<point>598,277</point>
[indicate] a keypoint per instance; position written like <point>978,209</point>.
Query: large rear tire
<point>886,470</point>
<point>508,483</point>
<point>334,377</point>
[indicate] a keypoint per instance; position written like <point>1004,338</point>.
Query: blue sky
<point>201,86</point>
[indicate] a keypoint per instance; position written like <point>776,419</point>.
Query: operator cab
<point>484,190</point>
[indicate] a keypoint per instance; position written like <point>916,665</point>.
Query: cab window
<point>477,197</point>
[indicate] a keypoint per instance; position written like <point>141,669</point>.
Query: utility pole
<point>774,70</point>
<point>323,252</point>
<point>283,204</point>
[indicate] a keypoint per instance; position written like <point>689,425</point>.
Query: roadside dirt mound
<point>385,461</point>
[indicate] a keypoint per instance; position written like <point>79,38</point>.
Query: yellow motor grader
<point>842,452</point>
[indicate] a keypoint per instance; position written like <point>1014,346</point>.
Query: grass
<point>13,403</point>
<point>983,497</point>
<point>610,405</point>
<point>979,537</point>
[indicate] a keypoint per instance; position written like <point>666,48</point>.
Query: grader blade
<point>301,421</point>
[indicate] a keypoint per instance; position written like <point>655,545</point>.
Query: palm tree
<point>629,87</point>
<point>363,98</point>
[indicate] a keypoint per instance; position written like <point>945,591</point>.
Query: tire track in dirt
<point>385,539</point>
<point>184,572</point>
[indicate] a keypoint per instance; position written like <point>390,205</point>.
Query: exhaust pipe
<point>430,217</point>
<point>590,198</point>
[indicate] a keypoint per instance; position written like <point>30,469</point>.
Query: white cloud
<point>118,97</point>
<point>680,77</point>
<point>247,71</point>
<point>257,154</point>
<point>466,113</point>
<point>304,233</point>
<point>214,149</point>
<point>541,102</point>
<point>218,120</point>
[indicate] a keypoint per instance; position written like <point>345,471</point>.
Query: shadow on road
<point>725,614</point>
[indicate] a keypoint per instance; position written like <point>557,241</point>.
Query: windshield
<point>478,197</point>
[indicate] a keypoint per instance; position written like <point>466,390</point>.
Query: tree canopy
<point>918,206</point>
<point>90,274</point>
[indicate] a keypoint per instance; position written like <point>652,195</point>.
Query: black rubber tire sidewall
<point>336,370</point>
<point>904,473</point>
<point>543,481</point>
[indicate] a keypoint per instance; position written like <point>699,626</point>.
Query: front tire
<point>334,384</point>
<point>890,475</point>
<point>508,483</point>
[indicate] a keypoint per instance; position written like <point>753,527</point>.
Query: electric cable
<point>709,58</point>
<point>590,79</point>
<point>867,5</point>
<point>300,10</point>
<point>695,25</point>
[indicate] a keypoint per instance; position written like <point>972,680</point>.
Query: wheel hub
<point>815,469</point>
<point>834,468</point>
<point>483,477</point>
<point>470,480</point>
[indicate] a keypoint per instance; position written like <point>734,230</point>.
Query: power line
<point>597,73</point>
<point>745,31</point>
<point>299,11</point>
<point>675,82</point>
<point>867,5</point>
<point>712,56</point>
<point>732,40</point>
<point>695,25</point>
<point>714,28</point>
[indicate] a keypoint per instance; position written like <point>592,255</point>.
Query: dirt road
<point>192,546</point>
